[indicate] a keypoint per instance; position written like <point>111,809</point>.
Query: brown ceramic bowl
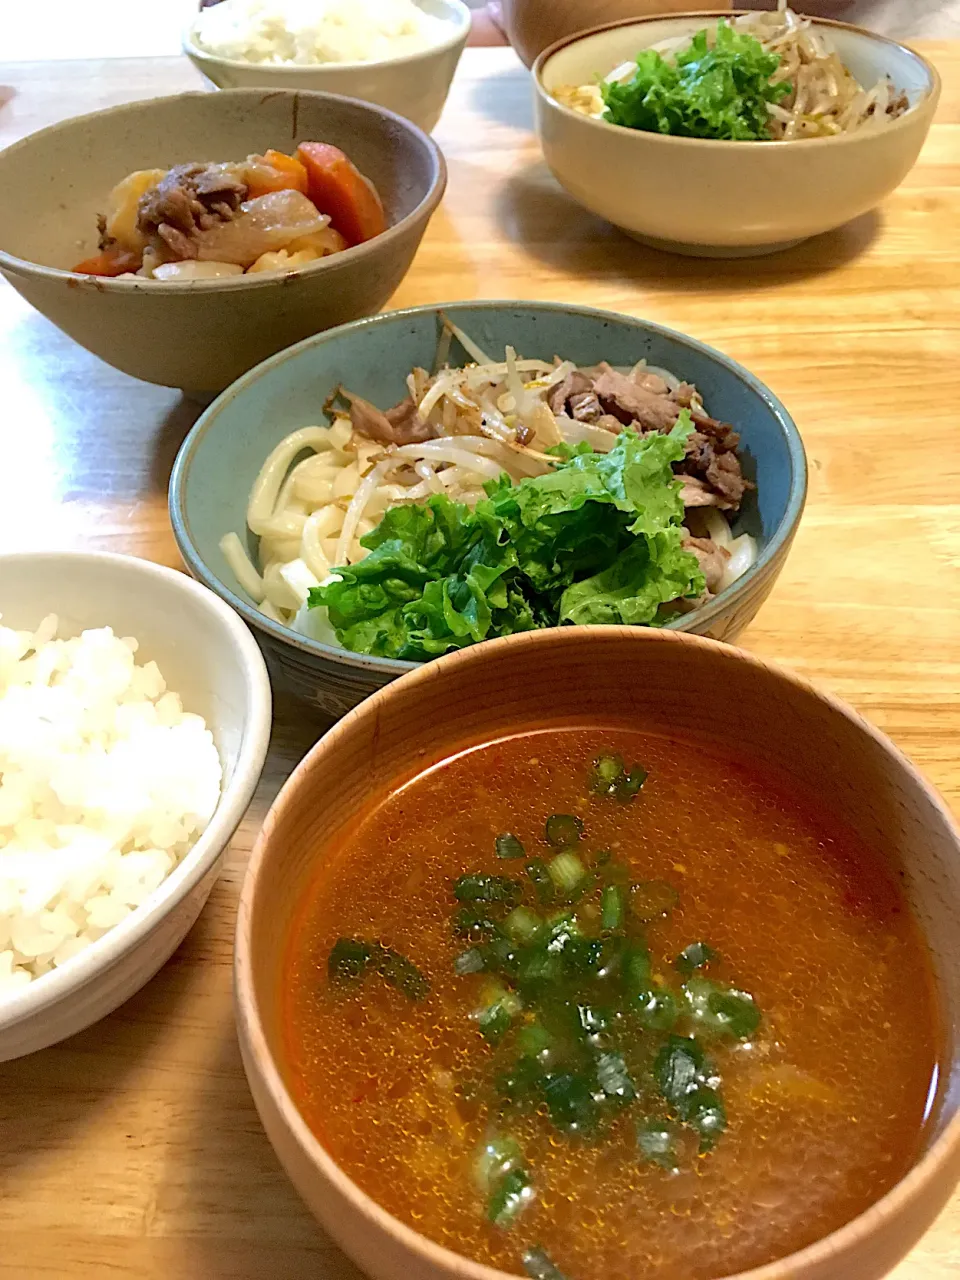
<point>668,682</point>
<point>202,334</point>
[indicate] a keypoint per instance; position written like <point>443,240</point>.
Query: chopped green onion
<point>563,830</point>
<point>696,956</point>
<point>401,973</point>
<point>636,969</point>
<point>511,1195</point>
<point>498,1155</point>
<point>606,773</point>
<point>474,920</point>
<point>522,925</point>
<point>538,1266</point>
<point>534,1041</point>
<point>571,1102</point>
<point>611,907</point>
<point>652,900</point>
<point>483,888</point>
<point>592,1022</point>
<point>501,955</point>
<point>609,777</point>
<point>469,962</point>
<point>566,871</point>
<point>719,1010</point>
<point>496,1017</point>
<point>659,1143</point>
<point>686,1079</point>
<point>629,785</point>
<point>349,957</point>
<point>614,1078</point>
<point>539,970</point>
<point>508,846</point>
<point>657,1009</point>
<point>521,1084</point>
<point>539,876</point>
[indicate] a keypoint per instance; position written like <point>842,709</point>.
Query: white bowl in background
<point>207,655</point>
<point>414,85</point>
<point>710,198</point>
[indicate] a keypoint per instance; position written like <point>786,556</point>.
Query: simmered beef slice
<point>712,559</point>
<point>695,492</point>
<point>189,199</point>
<point>633,403</point>
<point>399,425</point>
<point>711,459</point>
<point>574,384</point>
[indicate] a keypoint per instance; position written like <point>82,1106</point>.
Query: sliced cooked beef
<point>726,478</point>
<point>609,423</point>
<point>399,425</point>
<point>696,493</point>
<point>584,407</point>
<point>651,382</point>
<point>573,384</point>
<point>711,460</point>
<point>189,199</point>
<point>684,395</point>
<point>631,403</point>
<point>712,559</point>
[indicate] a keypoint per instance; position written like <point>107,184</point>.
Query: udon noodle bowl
<point>459,432</point>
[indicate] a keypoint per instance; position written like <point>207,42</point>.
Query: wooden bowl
<point>200,335</point>
<point>662,682</point>
<point>744,198</point>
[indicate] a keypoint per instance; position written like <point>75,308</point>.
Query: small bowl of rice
<point>134,722</point>
<point>399,54</point>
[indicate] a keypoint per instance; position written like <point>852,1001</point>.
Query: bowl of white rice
<point>399,54</point>
<point>134,722</point>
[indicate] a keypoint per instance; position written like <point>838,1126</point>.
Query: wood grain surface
<point>133,1150</point>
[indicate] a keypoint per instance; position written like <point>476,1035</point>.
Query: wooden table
<point>134,1150</point>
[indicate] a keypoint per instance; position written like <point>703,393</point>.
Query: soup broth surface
<point>825,1100</point>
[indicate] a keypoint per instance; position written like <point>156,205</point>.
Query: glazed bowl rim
<point>391,667</point>
<point>259,1060</point>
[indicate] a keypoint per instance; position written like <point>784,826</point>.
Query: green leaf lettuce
<point>596,540</point>
<point>705,91</point>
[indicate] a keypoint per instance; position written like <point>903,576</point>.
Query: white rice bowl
<point>313,32</point>
<point>105,784</point>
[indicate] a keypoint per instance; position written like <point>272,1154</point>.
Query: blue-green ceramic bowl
<point>222,455</point>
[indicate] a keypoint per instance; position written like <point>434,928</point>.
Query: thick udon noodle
<point>825,98</point>
<point>309,512</point>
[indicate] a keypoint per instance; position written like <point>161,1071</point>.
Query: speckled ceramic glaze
<point>415,85</point>
<point>208,656</point>
<point>725,199</point>
<point>669,684</point>
<point>222,455</point>
<point>200,335</point>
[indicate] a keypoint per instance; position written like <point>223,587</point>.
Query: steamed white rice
<point>307,32</point>
<point>105,783</point>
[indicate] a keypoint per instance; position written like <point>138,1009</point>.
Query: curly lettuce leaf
<point>596,540</point>
<point>648,573</point>
<point>719,91</point>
